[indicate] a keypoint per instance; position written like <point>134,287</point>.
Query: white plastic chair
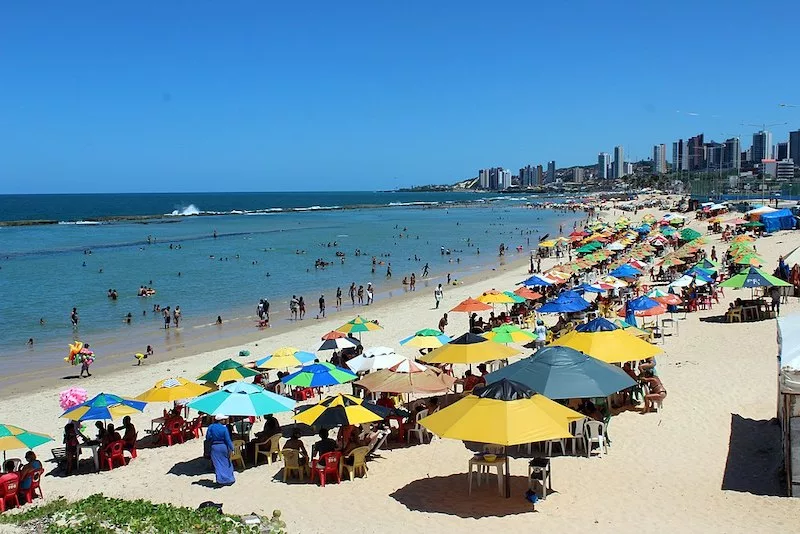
<point>548,446</point>
<point>594,433</point>
<point>418,429</point>
<point>576,429</point>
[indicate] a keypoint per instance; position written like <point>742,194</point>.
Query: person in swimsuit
<point>656,394</point>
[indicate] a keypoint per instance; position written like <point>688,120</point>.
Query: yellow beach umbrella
<point>358,325</point>
<point>612,346</point>
<point>495,297</point>
<point>468,349</point>
<point>172,389</point>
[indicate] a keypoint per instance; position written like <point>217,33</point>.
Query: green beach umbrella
<point>688,234</point>
<point>753,224</point>
<point>243,400</point>
<point>318,375</point>
<point>14,437</point>
<point>509,333</point>
<point>226,371</point>
<point>749,259</point>
<point>752,277</point>
<point>517,299</point>
<point>358,325</point>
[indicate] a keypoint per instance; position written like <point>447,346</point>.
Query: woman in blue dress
<point>220,447</point>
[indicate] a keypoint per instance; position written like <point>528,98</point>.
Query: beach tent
<point>778,220</point>
<point>793,257</point>
<point>759,211</point>
<point>789,398</point>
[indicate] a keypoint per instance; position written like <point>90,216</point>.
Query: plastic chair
<point>30,493</point>
<point>594,433</point>
<point>267,448</point>
<point>576,429</point>
<point>539,472</point>
<point>328,464</point>
<point>193,428</point>
<point>237,454</point>
<point>11,465</point>
<point>173,431</point>
<point>112,453</point>
<point>548,446</point>
<point>734,315</point>
<point>417,430</point>
<point>291,464</point>
<point>359,466</point>
<point>8,491</point>
<point>668,327</point>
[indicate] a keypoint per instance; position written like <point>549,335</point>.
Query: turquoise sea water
<point>46,270</point>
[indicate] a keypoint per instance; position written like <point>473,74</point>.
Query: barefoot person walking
<point>438,294</point>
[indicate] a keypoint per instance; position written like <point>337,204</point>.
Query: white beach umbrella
<point>375,358</point>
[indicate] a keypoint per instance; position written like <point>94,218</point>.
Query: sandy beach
<point>708,462</point>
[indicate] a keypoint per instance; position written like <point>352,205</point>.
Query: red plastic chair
<point>302,394</point>
<point>111,453</point>
<point>328,464</point>
<point>173,431</point>
<point>194,428</point>
<point>8,491</point>
<point>131,447</point>
<point>30,493</point>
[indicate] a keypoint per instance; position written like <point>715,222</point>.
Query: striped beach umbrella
<point>226,371</point>
<point>104,406</point>
<point>14,437</point>
<point>318,375</point>
<point>341,410</point>
<point>286,357</point>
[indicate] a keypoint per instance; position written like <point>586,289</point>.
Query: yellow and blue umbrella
<point>14,437</point>
<point>104,406</point>
<point>286,357</point>
<point>427,338</point>
<point>341,410</point>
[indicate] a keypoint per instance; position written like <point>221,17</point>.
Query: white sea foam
<point>191,209</point>
<point>80,223</point>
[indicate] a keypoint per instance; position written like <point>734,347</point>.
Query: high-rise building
<point>539,175</point>
<point>619,162</point>
<point>551,172</point>
<point>603,162</point>
<point>794,146</point>
<point>762,146</point>
<point>732,154</point>
<point>577,174</point>
<point>680,156</point>
<point>782,151</point>
<point>627,168</point>
<point>697,153</point>
<point>527,176</point>
<point>503,179</point>
<point>715,155</point>
<point>483,178</point>
<point>660,158</point>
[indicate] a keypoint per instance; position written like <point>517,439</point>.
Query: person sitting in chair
<point>295,443</point>
<point>324,445</point>
<point>26,473</point>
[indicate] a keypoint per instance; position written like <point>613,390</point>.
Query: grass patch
<point>98,514</point>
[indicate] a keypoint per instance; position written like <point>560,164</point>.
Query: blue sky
<point>220,96</point>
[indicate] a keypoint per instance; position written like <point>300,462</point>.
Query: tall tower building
<point>762,146</point>
<point>782,151</point>
<point>603,161</point>
<point>619,162</point>
<point>696,153</point>
<point>551,172</point>
<point>660,158</point>
<point>680,153</point>
<point>539,175</point>
<point>794,146</point>
<point>732,154</point>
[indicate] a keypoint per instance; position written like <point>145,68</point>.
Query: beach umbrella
<point>427,338</point>
<point>495,297</point>
<point>226,371</point>
<point>518,299</point>
<point>708,265</point>
<point>471,305</point>
<point>663,297</point>
<point>318,375</point>
<point>743,238</point>
<point>13,438</point>
<point>569,301</point>
<point>468,349</point>
<point>538,281</point>
<point>286,357</point>
<point>613,281</point>
<point>358,325</point>
<point>753,224</point>
<point>749,259</point>
<point>503,413</point>
<point>509,333</point>
<point>241,399</point>
<point>752,277</point>
<point>341,410</point>
<point>407,377</point>
<point>688,234</point>
<point>172,389</point>
<point>374,359</point>
<point>565,373</point>
<point>104,406</point>
<point>602,339</point>
<point>334,340</point>
<point>686,281</point>
<point>641,307</point>
<point>588,288</point>
<point>625,271</point>
<point>632,329</point>
<point>526,293</point>
<point>700,273</point>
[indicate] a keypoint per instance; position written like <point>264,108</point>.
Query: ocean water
<point>46,270</point>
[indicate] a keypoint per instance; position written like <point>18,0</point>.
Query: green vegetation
<point>101,515</point>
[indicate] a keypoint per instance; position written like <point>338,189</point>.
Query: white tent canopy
<point>760,211</point>
<point>686,280</point>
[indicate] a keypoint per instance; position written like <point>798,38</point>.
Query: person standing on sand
<point>301,303</point>
<point>74,317</point>
<point>338,298</point>
<point>293,304</point>
<point>321,307</point>
<point>438,295</point>
<point>353,293</point>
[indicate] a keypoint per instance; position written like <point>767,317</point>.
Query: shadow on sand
<point>194,467</point>
<point>755,457</point>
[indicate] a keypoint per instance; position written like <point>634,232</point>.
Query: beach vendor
<point>220,449</point>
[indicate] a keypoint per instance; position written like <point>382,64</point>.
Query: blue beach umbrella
<point>537,281</point>
<point>703,274</point>
<point>642,304</point>
<point>104,406</point>
<point>626,271</point>
<point>597,325</point>
<point>565,373</point>
<point>589,288</point>
<point>569,301</point>
<point>243,400</point>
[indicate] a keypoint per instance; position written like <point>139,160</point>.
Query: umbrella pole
<point>508,474</point>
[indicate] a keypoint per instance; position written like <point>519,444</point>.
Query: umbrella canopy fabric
<point>688,234</point>
<point>565,373</point>
<point>518,299</point>
<point>566,302</point>
<point>468,349</point>
<point>503,413</point>
<point>374,359</point>
<point>341,410</point>
<point>318,375</point>
<point>14,437</point>
<point>286,357</point>
<point>625,271</point>
<point>428,338</point>
<point>334,340</point>
<point>752,277</point>
<point>589,288</point>
<point>104,406</point>
<point>243,400</point>
<point>408,377</point>
<point>538,281</point>
<point>471,305</point>
<point>509,333</point>
<point>610,346</point>
<point>526,293</point>
<point>700,273</point>
<point>686,281</point>
<point>357,325</point>
<point>172,389</point>
<point>226,371</point>
<point>495,297</point>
